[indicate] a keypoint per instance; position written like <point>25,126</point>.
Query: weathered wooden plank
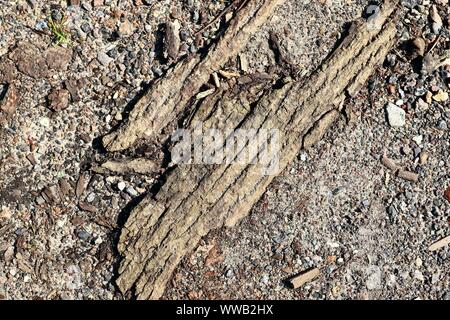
<point>197,199</point>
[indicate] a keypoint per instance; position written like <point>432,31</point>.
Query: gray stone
<point>104,59</point>
<point>132,192</point>
<point>83,234</point>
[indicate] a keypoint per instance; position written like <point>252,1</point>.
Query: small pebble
<point>45,122</point>
<point>132,192</point>
<point>83,234</point>
<point>396,115</point>
<point>121,185</point>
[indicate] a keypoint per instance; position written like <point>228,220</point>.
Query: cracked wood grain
<point>194,200</point>
<point>168,97</point>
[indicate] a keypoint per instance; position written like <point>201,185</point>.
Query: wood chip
<point>82,183</point>
<point>140,166</point>
<point>23,265</point>
<point>65,187</point>
<point>216,80</point>
<point>243,62</point>
<point>87,207</point>
<point>204,94</point>
<point>32,159</point>
<point>408,175</point>
<point>434,15</point>
<point>105,222</point>
<point>8,256</point>
<point>389,163</point>
<point>228,74</point>
<point>304,277</point>
<point>9,103</point>
<point>51,193</point>
<point>440,244</point>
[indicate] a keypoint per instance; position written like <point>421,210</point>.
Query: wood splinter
<point>440,244</point>
<point>304,277</point>
<point>401,173</point>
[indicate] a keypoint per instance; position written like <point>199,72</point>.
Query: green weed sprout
<point>59,30</point>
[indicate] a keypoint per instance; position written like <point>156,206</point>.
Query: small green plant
<point>60,33</point>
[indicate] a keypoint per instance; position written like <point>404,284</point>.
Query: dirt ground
<point>337,207</point>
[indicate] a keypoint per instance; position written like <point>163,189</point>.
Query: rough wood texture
<point>168,97</point>
<point>197,199</point>
<point>304,277</point>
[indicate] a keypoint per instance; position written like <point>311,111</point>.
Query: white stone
<point>418,139</point>
<point>391,280</point>
<point>132,192</point>
<point>60,223</point>
<point>396,116</point>
<point>418,275</point>
<point>419,262</point>
<point>121,185</point>
<point>45,122</point>
<point>373,280</point>
<point>333,244</point>
<point>435,278</point>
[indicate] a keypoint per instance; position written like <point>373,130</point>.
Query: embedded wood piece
<point>168,97</point>
<point>408,175</point>
<point>138,166</point>
<point>304,277</point>
<point>440,244</point>
<point>196,199</point>
<point>389,163</point>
